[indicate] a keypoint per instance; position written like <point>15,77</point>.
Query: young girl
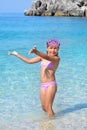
<point>49,64</point>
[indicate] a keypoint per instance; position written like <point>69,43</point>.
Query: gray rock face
<point>58,8</point>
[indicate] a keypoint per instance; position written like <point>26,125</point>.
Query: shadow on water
<point>72,109</point>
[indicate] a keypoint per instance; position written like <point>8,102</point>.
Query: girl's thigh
<point>42,96</point>
<point>50,94</point>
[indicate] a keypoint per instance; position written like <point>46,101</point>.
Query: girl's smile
<point>52,50</point>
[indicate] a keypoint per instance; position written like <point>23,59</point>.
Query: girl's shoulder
<point>57,58</point>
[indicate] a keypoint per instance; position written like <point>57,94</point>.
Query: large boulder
<point>58,8</point>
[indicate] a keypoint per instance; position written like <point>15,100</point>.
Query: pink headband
<point>53,42</point>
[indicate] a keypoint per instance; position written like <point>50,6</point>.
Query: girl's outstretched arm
<point>29,61</point>
<point>44,56</point>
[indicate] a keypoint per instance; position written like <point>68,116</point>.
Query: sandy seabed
<point>71,121</point>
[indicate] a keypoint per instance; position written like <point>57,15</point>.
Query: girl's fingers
<point>12,53</point>
<point>31,51</point>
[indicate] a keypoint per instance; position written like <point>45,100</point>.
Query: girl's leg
<point>42,98</point>
<point>49,97</point>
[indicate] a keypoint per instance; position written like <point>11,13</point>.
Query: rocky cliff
<point>58,8</point>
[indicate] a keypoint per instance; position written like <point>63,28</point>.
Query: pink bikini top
<point>48,64</point>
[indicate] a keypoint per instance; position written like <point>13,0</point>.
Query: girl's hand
<point>32,50</point>
<point>13,53</point>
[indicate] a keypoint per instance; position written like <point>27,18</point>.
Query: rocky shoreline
<point>76,8</point>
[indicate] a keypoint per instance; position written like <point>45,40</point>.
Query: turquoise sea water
<point>20,107</point>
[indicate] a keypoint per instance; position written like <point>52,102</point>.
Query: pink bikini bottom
<point>46,85</point>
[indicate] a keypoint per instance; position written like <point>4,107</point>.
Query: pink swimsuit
<point>52,67</point>
<point>46,85</point>
<point>48,64</point>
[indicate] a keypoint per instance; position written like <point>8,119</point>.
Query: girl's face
<point>52,50</point>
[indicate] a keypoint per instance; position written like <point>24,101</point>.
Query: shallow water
<point>20,107</point>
